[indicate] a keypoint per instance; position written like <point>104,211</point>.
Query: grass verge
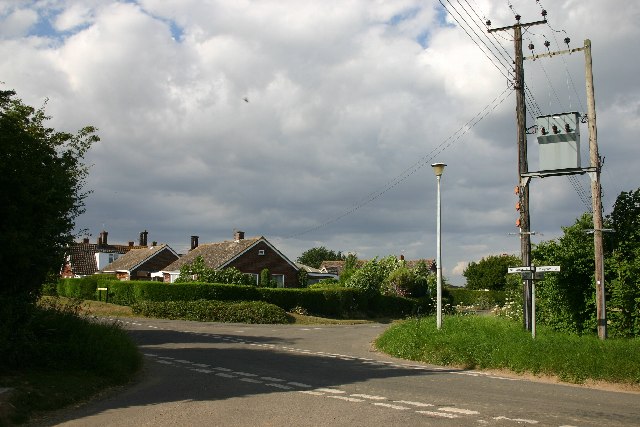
<point>64,358</point>
<point>484,342</point>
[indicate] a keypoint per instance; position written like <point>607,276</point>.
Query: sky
<point>315,122</point>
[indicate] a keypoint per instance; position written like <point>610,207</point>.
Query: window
<point>113,257</point>
<point>261,252</point>
<point>279,279</point>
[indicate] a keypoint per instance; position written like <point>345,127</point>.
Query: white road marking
<point>348,399</point>
<point>186,362</point>
<point>165,362</point>
<point>518,420</point>
<point>245,374</point>
<point>220,374</point>
<point>150,354</point>
<point>368,396</point>
<point>218,368</point>
<point>438,414</point>
<point>272,379</point>
<point>314,393</point>
<point>201,365</point>
<point>280,386</point>
<point>458,410</point>
<point>409,402</point>
<point>204,371</point>
<point>388,405</point>
<point>329,390</point>
<point>250,380</point>
<point>295,384</point>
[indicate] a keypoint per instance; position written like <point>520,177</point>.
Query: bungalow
<point>138,264</point>
<point>250,256</point>
<point>84,258</point>
<point>336,267</point>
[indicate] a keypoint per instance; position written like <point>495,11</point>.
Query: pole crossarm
<point>551,54</point>
<point>558,172</point>
<point>510,27</point>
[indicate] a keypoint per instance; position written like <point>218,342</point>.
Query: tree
<point>41,194</point>
<point>490,272</point>
<point>41,181</point>
<point>372,274</point>
<point>566,300</point>
<point>313,257</point>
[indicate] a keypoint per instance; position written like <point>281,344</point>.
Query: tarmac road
<point>213,374</point>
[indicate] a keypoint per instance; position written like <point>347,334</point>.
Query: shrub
<point>213,311</point>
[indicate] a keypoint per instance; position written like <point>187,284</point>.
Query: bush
<point>213,311</point>
<point>477,298</point>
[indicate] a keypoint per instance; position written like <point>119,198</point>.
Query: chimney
<point>401,257</point>
<point>131,244</point>
<point>194,242</point>
<point>143,238</point>
<point>238,235</point>
<point>85,240</point>
<point>102,239</point>
<point>154,243</point>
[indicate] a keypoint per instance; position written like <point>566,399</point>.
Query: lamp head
<point>438,168</point>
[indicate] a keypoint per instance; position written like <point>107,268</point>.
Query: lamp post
<point>438,169</point>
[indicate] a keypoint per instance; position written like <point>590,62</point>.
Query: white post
<point>439,259</point>
<point>533,304</point>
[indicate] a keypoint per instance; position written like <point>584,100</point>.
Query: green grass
<point>64,358</point>
<point>485,342</point>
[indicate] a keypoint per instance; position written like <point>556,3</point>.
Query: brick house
<point>84,258</point>
<point>250,256</point>
<point>138,264</point>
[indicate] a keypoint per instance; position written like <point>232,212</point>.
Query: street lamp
<point>438,169</point>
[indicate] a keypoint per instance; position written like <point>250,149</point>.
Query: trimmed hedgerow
<point>213,311</point>
<point>476,297</point>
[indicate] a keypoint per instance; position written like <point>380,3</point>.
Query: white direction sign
<point>546,268</point>
<point>520,269</point>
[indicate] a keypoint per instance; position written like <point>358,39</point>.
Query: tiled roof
<point>82,256</point>
<point>134,258</point>
<point>215,255</point>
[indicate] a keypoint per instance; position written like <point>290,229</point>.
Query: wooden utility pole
<point>596,194</point>
<point>523,165</point>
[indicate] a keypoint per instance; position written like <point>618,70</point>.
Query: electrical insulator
<point>518,206</point>
<point>518,18</point>
<point>555,130</point>
<point>543,131</point>
<point>488,22</point>
<point>567,128</point>
<point>531,46</point>
<point>567,40</point>
<point>544,14</point>
<point>516,190</point>
<point>547,43</point>
<point>518,222</point>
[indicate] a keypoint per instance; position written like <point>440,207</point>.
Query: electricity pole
<point>596,194</point>
<point>523,166</point>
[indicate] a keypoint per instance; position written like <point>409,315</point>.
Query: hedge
<point>336,302</point>
<point>213,311</point>
<point>468,297</point>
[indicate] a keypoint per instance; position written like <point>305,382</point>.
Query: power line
<point>424,160</point>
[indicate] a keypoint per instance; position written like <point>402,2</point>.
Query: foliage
<point>198,271</point>
<point>41,181</point>
<point>406,283</point>
<point>313,257</point>
<point>566,300</point>
<point>213,311</point>
<point>350,267</point>
<point>265,280</point>
<point>303,278</point>
<point>477,298</point>
<point>490,272</point>
<point>488,342</point>
<point>372,274</point>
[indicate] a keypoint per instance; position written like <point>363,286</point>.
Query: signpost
<point>533,273</point>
